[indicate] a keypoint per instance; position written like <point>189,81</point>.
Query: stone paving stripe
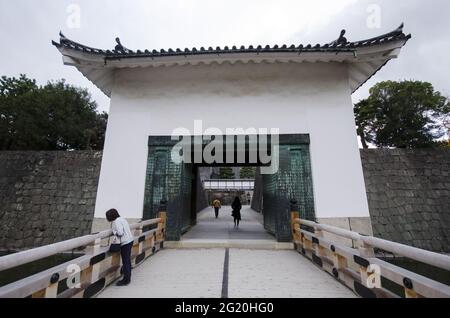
<point>225,274</point>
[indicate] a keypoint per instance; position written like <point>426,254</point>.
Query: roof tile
<point>339,45</point>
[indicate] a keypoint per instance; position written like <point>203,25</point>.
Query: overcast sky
<point>28,26</point>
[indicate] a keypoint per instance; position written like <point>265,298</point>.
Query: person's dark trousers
<point>125,252</point>
<point>217,212</point>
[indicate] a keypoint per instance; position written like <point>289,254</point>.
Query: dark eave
<point>340,45</point>
<point>363,58</point>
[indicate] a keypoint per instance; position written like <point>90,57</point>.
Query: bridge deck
<point>252,273</point>
<point>208,227</point>
<point>199,273</point>
<point>215,233</point>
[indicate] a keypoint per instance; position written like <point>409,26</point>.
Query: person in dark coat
<point>236,206</point>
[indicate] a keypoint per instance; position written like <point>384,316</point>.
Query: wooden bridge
<point>243,263</point>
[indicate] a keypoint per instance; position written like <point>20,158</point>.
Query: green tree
<point>56,116</point>
<point>407,114</point>
<point>226,173</point>
<point>248,173</point>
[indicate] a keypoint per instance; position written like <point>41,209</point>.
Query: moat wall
<point>46,197</point>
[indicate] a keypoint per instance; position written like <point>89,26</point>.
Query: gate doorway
<point>180,184</point>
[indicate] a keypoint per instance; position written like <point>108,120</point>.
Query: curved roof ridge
<point>339,45</point>
<point>396,32</point>
<point>363,58</point>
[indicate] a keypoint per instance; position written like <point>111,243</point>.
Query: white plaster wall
<point>309,98</point>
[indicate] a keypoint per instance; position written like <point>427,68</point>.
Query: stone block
<point>29,242</point>
<point>407,236</point>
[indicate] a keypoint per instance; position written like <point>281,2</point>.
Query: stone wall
<point>409,196</point>
<point>46,197</point>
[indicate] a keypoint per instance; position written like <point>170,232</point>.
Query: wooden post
<point>137,233</point>
<point>94,249</point>
<point>51,291</point>
<point>86,276</point>
<point>298,238</point>
<point>162,226</point>
<point>409,293</point>
<point>294,216</point>
<point>339,262</point>
<point>364,275</point>
<point>365,250</point>
<point>320,251</point>
<point>163,216</point>
<point>115,261</point>
<point>307,244</point>
<point>39,294</point>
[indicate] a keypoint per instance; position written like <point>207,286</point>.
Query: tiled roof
<point>340,45</point>
<point>363,58</point>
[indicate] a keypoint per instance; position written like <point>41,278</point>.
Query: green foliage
<point>56,116</point>
<point>226,173</point>
<point>248,173</point>
<point>407,114</point>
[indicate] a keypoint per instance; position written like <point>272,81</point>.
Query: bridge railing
<point>359,269</point>
<point>87,275</point>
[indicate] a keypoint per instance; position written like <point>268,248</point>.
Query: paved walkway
<point>222,228</point>
<point>216,233</point>
<point>258,266</point>
<point>198,273</point>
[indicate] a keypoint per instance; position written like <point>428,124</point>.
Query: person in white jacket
<point>121,230</point>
